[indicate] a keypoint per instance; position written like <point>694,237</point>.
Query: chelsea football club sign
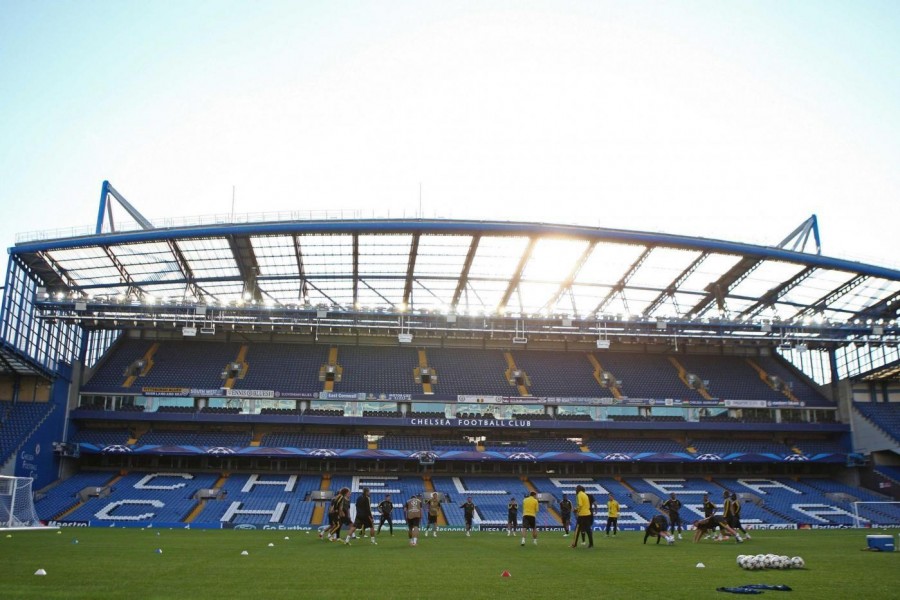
<point>471,422</point>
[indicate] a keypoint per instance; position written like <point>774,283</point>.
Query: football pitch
<point>136,564</point>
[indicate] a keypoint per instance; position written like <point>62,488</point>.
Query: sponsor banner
<point>250,393</point>
<point>462,399</point>
<point>774,526</point>
<point>474,422</point>
<point>498,527</point>
<point>264,527</point>
<point>178,392</point>
<point>157,391</point>
<point>342,396</point>
<point>715,402</point>
<point>66,523</point>
<point>746,403</point>
<point>584,401</point>
<point>784,404</point>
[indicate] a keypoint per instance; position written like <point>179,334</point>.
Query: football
<point>798,563</point>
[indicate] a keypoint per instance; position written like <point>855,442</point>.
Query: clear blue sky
<point>730,119</point>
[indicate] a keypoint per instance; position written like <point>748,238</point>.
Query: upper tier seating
<point>560,374</point>
<point>799,387</point>
<point>189,364</point>
<point>196,438</point>
<point>293,369</point>
<point>634,446</point>
<point>885,415</point>
<point>646,376</point>
<point>313,440</point>
<point>729,377</point>
<point>17,420</point>
<point>100,437</point>
<point>378,370</point>
<point>467,371</point>
<point>729,446</point>
<point>287,368</point>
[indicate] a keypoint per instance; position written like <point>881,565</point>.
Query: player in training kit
<point>469,513</point>
<point>710,524</point>
<point>673,506</point>
<point>363,517</point>
<point>512,516</point>
<point>386,507</point>
<point>565,513</point>
<point>612,517</point>
<point>709,509</point>
<point>434,507</point>
<point>658,528</point>
<point>333,519</point>
<point>726,507</point>
<point>339,514</point>
<point>530,508</point>
<point>584,520</point>
<point>592,506</point>
<point>413,511</point>
<point>735,520</point>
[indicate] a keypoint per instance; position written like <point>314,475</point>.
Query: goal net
<point>17,503</point>
<point>876,513</point>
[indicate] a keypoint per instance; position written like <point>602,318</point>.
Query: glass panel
<point>608,263</point>
<point>767,275</point>
<point>327,255</point>
<point>275,255</point>
<point>498,257</point>
<point>384,254</point>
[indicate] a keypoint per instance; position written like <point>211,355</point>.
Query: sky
<point>734,120</point>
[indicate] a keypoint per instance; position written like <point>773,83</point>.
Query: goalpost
<point>858,520</point>
<point>17,504</point>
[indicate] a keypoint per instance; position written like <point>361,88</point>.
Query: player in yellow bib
<point>612,517</point>
<point>584,521</point>
<point>530,508</point>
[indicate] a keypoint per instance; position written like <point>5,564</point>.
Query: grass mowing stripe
<point>197,564</point>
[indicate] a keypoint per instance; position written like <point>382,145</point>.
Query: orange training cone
<point>505,574</point>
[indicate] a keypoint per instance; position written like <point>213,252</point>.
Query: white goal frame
<point>19,491</point>
<point>857,520</point>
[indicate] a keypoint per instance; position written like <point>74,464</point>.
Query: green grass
<point>124,564</point>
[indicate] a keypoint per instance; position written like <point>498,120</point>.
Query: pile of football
<point>757,562</point>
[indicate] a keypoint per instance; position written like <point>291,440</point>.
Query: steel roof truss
<point>245,260</point>
<point>356,270</point>
<point>410,269</point>
<point>620,285</point>
<point>718,290</point>
<point>772,296</point>
<point>669,292</point>
<point>187,273</point>
<point>566,284</point>
<point>825,301</point>
<point>298,252</point>
<point>517,274</point>
<point>464,275</point>
<point>123,273</point>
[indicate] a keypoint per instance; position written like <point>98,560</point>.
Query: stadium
<point>234,375</point>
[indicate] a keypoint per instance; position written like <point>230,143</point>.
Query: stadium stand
<point>378,370</point>
<point>559,374</point>
<point>17,420</point>
<point>884,415</point>
<point>475,372</point>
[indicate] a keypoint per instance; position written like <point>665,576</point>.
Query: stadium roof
<point>464,268</point>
